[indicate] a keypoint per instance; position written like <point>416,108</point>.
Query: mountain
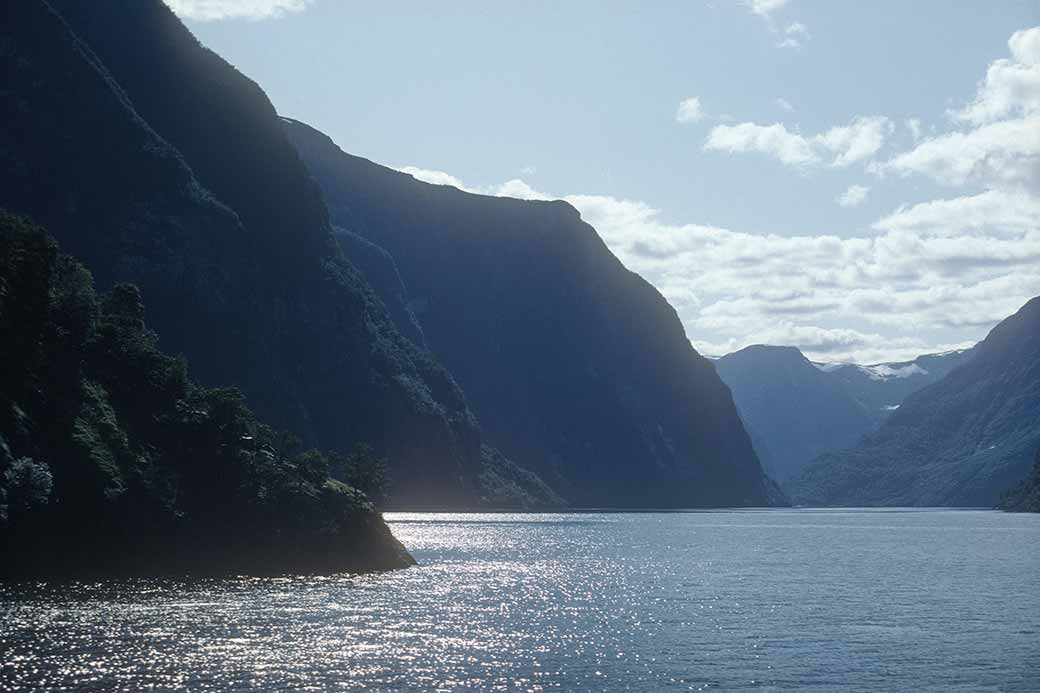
<point>577,368</point>
<point>961,441</point>
<point>1024,496</point>
<point>155,162</point>
<point>113,460</point>
<point>881,387</point>
<point>795,409</point>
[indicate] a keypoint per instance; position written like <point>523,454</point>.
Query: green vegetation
<point>504,484</point>
<point>112,459</point>
<point>961,441</point>
<point>1025,497</point>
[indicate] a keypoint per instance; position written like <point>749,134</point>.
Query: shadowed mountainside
<point>1024,497</point>
<point>154,161</point>
<point>959,442</point>
<point>577,368</point>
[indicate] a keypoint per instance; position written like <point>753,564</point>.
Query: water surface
<point>857,600</point>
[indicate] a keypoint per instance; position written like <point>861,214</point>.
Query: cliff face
<point>154,161</point>
<point>959,442</point>
<point>577,368</point>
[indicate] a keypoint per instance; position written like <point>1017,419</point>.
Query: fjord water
<point>857,600</point>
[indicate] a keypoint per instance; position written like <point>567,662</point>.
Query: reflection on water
<point>852,600</point>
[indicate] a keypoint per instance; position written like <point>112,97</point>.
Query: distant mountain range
<point>795,409</point>
<point>961,441</point>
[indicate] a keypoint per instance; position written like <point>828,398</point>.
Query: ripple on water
<point>687,601</point>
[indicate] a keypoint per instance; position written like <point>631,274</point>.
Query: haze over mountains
<point>962,441</point>
<point>795,409</point>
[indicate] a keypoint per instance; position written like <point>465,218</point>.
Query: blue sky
<point>857,179</point>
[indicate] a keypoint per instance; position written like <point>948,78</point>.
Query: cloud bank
<point>216,10</point>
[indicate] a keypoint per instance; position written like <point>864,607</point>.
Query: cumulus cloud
<point>854,196</point>
<point>774,140</point>
<point>214,10</point>
<point>1006,152</point>
<point>689,110</point>
<point>1011,85</point>
<point>916,272</point>
<point>840,146</point>
<point>1000,149</point>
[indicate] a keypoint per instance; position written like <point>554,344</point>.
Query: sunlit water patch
<point>755,600</point>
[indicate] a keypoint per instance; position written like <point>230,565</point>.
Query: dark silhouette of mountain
<point>577,368</point>
<point>155,162</point>
<point>959,442</point>
<point>112,460</point>
<point>1024,497</point>
<point>795,410</point>
<point>792,409</point>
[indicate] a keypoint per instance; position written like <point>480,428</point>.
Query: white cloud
<point>997,154</point>
<point>765,8</point>
<point>529,170</point>
<point>434,177</point>
<point>859,140</point>
<point>795,35</point>
<point>784,104</point>
<point>775,140</point>
<point>953,266</point>
<point>1025,46</point>
<point>842,145</point>
<point>834,345</point>
<point>1011,86</point>
<point>1001,148</point>
<point>853,197</point>
<point>914,126</point>
<point>214,10</point>
<point>689,110</point>
<point>1002,212</point>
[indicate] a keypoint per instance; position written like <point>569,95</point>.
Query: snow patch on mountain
<point>884,371</point>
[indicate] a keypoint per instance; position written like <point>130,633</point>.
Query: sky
<point>860,180</point>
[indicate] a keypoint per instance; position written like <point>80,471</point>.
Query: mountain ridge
<point>796,409</point>
<point>528,284</point>
<point>962,440</point>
